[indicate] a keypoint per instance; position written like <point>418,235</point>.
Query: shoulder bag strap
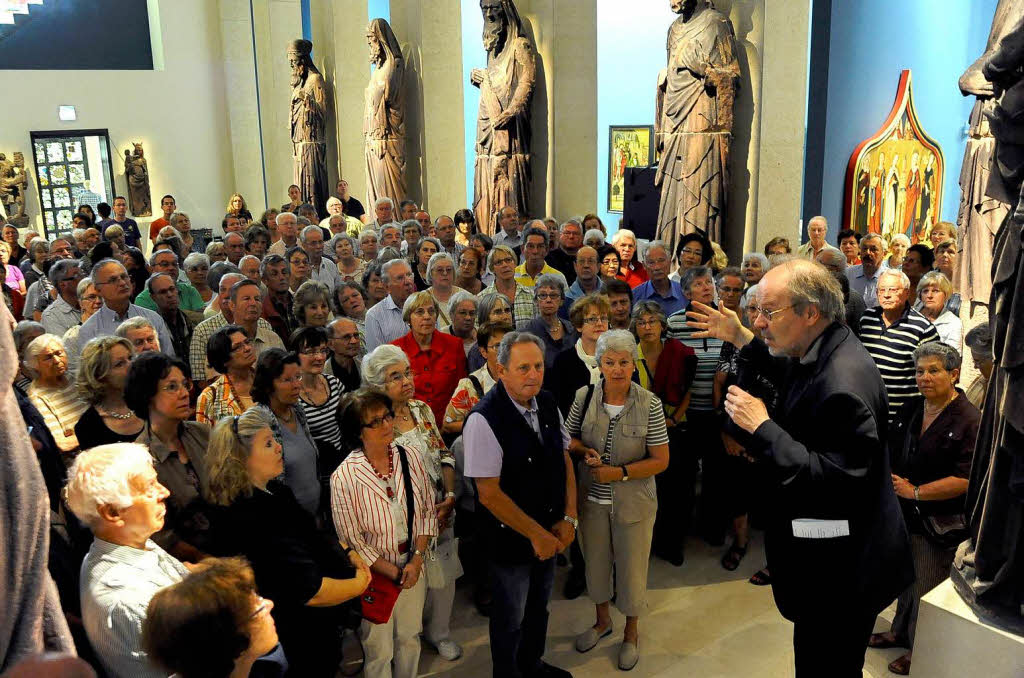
<point>410,505</point>
<point>477,385</point>
<point>586,402</point>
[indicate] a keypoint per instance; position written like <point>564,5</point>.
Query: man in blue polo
<point>658,287</point>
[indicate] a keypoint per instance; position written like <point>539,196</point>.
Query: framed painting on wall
<point>628,146</point>
<point>894,177</point>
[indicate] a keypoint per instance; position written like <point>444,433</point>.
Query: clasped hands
<point>546,543</point>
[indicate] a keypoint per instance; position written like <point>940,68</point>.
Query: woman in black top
<point>931,442</point>
<point>307,574</point>
<point>576,366</point>
<point>102,373</point>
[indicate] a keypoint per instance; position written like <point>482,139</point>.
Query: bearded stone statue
<point>502,170</point>
<point>308,126</point>
<point>384,116</point>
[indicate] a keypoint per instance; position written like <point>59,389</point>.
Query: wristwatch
<point>625,473</point>
<point>415,553</point>
<point>917,493</point>
<point>449,495</point>
<point>572,521</point>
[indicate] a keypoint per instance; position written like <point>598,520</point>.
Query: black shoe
<point>546,670</point>
<point>574,586</point>
<point>673,556</point>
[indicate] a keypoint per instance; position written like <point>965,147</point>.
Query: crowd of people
<point>316,426</point>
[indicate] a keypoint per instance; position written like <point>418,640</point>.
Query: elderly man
<point>864,276</point>
<point>234,247</point>
<point>321,269</point>
<point>140,332</point>
<point>836,264</point>
<point>407,208</point>
<point>65,312</point>
<point>817,229</point>
<point>890,332</point>
<point>343,340</point>
<point>444,227</point>
<point>563,257</point>
<point>659,287</point>
<point>115,286</point>
<point>166,261</point>
<point>535,247</point>
<point>587,279</point>
<point>384,321</point>
<point>250,267</point>
<point>41,293</point>
<point>286,228</point>
<point>132,237</point>
<point>164,292</point>
<point>836,543</point>
<point>423,219</point>
<point>517,455</point>
<point>508,225</point>
<point>114,490</point>
<point>383,213</point>
<point>390,236</point>
<point>277,305</point>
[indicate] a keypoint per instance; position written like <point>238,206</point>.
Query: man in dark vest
<point>517,454</point>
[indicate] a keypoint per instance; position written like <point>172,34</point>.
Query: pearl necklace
<point>115,415</point>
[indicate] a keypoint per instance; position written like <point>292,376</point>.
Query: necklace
<point>405,416</point>
<point>385,478</point>
<point>115,415</point>
<point>935,410</point>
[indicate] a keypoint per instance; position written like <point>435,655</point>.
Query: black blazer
<point>827,448</point>
<point>567,375</point>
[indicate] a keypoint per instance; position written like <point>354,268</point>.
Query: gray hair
<point>217,271</point>
<point>551,280</point>
<point>750,297</point>
<point>139,322</point>
<point>61,268</point>
<point>835,258</point>
<point>571,222</point>
<point>78,233</point>
<point>377,361</point>
<point>895,273</point>
<point>287,215</point>
<point>365,233</point>
<point>486,304</point>
<point>390,227</point>
<point>901,237</point>
<point>104,475</point>
<point>648,307</point>
<point>273,260</point>
<point>620,341</point>
<point>759,256</point>
<point>691,274</point>
<point>385,269</point>
<point>246,258</point>
<point>98,266</point>
<point>623,233</point>
<point>435,259</point>
<point>176,217</point>
<point>155,253</point>
<point>594,233</point>
<point>304,233</point>
<point>195,260</point>
<point>873,236</point>
<point>303,221</point>
<point>150,279</point>
<point>410,223</point>
<point>384,200</point>
<point>516,337</point>
<point>233,234</point>
<point>24,332</point>
<point>390,253</point>
<point>810,283</point>
<point>656,245</point>
<point>460,297</point>
<point>947,355</point>
<point>83,285</point>
<point>37,346</point>
<point>333,244</point>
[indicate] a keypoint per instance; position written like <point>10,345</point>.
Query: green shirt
<point>190,299</point>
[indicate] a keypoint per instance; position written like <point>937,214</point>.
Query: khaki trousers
<point>623,549</point>
<point>392,650</point>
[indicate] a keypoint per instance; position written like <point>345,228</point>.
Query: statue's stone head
<point>299,59</point>
<point>495,24</point>
<point>685,6</point>
<point>138,148</point>
<point>382,42</point>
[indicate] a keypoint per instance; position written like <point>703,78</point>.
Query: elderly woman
<point>307,574</point>
<point>15,279</point>
<point>277,386</point>
<point>618,431</point>
<point>502,263</point>
<point>898,246</point>
<point>350,267</point>
<point>630,269</point>
<point>312,304</point>
<point>492,308</point>
<point>216,251</point>
<point>197,266</point>
<point>462,309</point>
<point>419,259</point>
<point>556,332</point>
<point>231,353</point>
<point>371,496</point>
<point>52,390</point>
<point>115,234</point>
<point>576,366</point>
<point>945,263</point>
<point>931,442</point>
<point>470,265</point>
<point>609,260</point>
<point>412,231</point>
<point>666,367</point>
<point>754,266</point>
<point>237,208</point>
<point>933,293</point>
<point>373,283</point>
<point>437,359</point>
<point>90,301</point>
<point>32,266</point>
<point>368,245</point>
<point>24,333</point>
<point>298,267</point>
<point>101,378</point>
<point>387,368</point>
<point>694,250</point>
<point>441,274</point>
<point>10,236</point>
<point>157,390</point>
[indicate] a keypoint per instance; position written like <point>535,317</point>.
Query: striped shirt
<point>61,409</point>
<point>367,520</point>
<point>657,434</point>
<point>892,349</point>
<point>708,352</point>
<point>383,323</point>
<point>265,338</point>
<point>524,309</point>
<point>321,419</point>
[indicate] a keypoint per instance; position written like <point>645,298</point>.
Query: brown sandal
<point>901,666</point>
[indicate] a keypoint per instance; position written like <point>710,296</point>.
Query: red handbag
<point>379,598</point>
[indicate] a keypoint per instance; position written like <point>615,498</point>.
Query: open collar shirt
<point>384,323</point>
<point>105,321</point>
<point>60,316</point>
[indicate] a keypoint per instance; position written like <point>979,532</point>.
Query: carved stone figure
<point>988,570</point>
<point>308,126</point>
<point>693,121</point>
<point>502,171</point>
<point>13,185</point>
<point>136,172</point>
<point>384,116</point>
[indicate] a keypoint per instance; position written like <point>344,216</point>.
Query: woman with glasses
<point>298,267</point>
<point>52,390</point>
<point>470,265</point>
<point>100,380</point>
<point>319,396</point>
<point>157,390</point>
<point>441,274</point>
<point>197,267</point>
<point>306,572</point>
<point>556,332</point>
<point>609,261</point>
<point>231,353</point>
<point>934,292</point>
<point>277,388</point>
<point>388,369</point>
<point>369,503</point>
<point>492,308</point>
<point>438,360</point>
<point>693,250</point>
<point>576,366</point>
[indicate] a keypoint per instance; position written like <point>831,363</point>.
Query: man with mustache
<point>864,276</point>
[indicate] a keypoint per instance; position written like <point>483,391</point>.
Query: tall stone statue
<point>988,569</point>
<point>13,185</point>
<point>502,171</point>
<point>384,116</point>
<point>136,172</point>
<point>308,126</point>
<point>693,121</point>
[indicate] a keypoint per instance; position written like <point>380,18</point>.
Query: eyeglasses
<point>313,352</point>
<point>124,277</point>
<point>91,297</point>
<point>769,315</point>
<point>400,376</point>
<point>244,344</point>
<point>549,295</point>
<point>502,261</point>
<point>650,322</point>
<point>687,250</point>
<point>595,320</point>
<point>177,386</point>
<point>262,604</point>
<point>377,422</point>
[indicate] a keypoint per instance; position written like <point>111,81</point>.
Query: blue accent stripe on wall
<point>379,9</point>
<point>307,20</point>
<point>473,56</point>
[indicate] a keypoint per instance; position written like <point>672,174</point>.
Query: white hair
<point>379,360</point>
<point>435,259</point>
<point>594,233</point>
<point>366,233</point>
<point>286,216</point>
<point>384,200</point>
<point>139,322</point>
<point>103,476</point>
<point>246,258</point>
<point>901,237</point>
<point>620,341</point>
<point>37,346</point>
<point>655,245</point>
<point>307,230</point>
<point>385,269</point>
<point>196,259</point>
<point>895,273</point>
<point>759,256</point>
<point>623,233</point>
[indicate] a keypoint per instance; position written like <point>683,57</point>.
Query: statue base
<point>953,641</point>
<point>964,579</point>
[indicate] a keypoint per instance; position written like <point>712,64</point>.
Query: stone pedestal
<point>953,641</point>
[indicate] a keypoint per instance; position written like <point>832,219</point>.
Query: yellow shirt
<point>524,279</point>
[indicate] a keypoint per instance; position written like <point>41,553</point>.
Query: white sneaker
<point>449,649</point>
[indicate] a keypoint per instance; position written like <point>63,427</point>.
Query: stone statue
<point>13,185</point>
<point>384,116</point>
<point>136,172</point>
<point>502,172</point>
<point>693,121</point>
<point>308,126</point>
<point>988,570</point>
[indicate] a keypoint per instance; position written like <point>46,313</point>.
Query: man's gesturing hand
<point>744,409</point>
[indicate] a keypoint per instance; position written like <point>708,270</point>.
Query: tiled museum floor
<point>705,622</point>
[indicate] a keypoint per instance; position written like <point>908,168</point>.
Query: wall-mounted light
<point>67,113</point>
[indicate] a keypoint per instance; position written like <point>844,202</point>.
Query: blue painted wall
<point>379,9</point>
<point>872,41</point>
<point>631,51</point>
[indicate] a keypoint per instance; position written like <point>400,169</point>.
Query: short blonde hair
<point>415,301</point>
<point>948,225</point>
<point>580,307</point>
<point>500,248</point>
<point>94,365</point>
<point>104,475</point>
<point>935,279</point>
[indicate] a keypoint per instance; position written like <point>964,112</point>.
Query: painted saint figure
<point>891,200</point>
<point>308,126</point>
<point>502,171</point>
<point>911,218</point>
<point>877,189</point>
<point>693,121</point>
<point>384,116</point>
<point>927,193</point>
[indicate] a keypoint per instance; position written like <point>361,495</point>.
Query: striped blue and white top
<point>708,352</point>
<point>892,349</point>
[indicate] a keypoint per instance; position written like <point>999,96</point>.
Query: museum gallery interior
<point>512,338</point>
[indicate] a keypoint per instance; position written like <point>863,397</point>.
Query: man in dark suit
<point>836,543</point>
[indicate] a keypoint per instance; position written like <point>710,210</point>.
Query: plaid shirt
<point>218,400</point>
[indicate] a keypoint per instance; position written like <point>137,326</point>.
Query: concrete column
<point>347,21</point>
